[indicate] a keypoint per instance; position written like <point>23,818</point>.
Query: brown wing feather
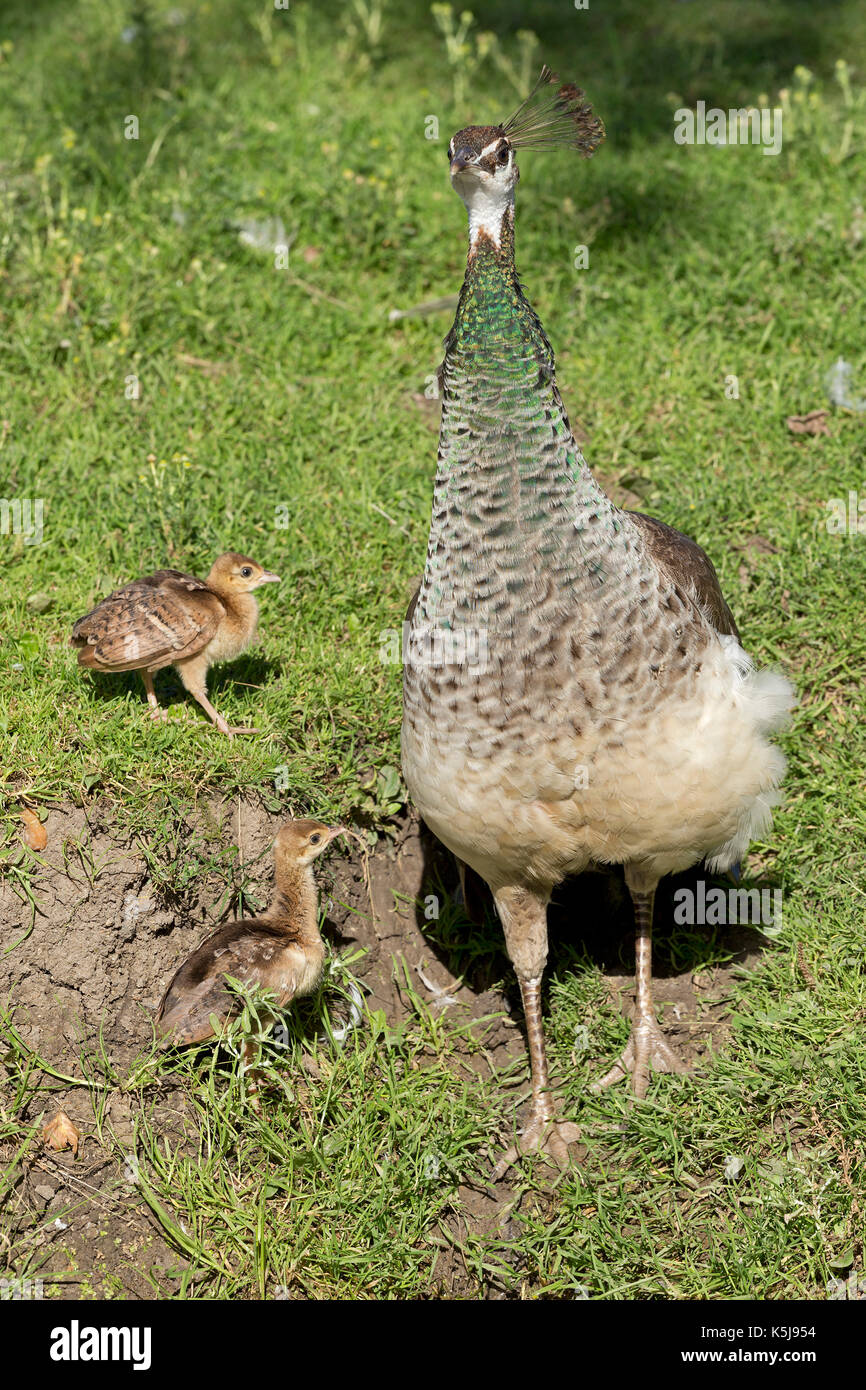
<point>245,949</point>
<point>149,623</point>
<point>413,604</point>
<point>689,567</point>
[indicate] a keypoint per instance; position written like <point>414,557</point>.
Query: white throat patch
<point>487,201</point>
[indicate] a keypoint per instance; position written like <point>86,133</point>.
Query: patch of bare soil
<point>90,970</point>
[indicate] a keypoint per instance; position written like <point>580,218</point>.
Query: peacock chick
<point>282,951</point>
<point>174,619</point>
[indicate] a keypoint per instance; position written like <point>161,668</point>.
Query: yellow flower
<point>68,139</point>
<point>42,162</point>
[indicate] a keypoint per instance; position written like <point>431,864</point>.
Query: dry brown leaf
<point>61,1133</point>
<point>202,364</point>
<point>813,423</point>
<point>757,543</point>
<point>34,834</point>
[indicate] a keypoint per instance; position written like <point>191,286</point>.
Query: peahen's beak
<point>464,159</point>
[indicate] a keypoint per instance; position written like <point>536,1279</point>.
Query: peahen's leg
<point>647,1045</point>
<point>524,920</point>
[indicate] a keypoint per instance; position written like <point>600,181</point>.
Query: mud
<point>86,971</point>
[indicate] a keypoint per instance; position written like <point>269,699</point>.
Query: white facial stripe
<point>493,147</point>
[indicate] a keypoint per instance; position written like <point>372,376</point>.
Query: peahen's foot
<point>543,1134</point>
<point>646,1046</point>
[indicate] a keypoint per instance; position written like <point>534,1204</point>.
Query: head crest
<point>554,116</point>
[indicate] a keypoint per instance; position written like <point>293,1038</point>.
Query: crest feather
<point>554,116</point>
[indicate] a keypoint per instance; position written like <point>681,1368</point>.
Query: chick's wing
<point>149,623</point>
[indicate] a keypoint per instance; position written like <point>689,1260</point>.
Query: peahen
<point>575,693</point>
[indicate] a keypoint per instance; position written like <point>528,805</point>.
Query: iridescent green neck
<point>515,508</point>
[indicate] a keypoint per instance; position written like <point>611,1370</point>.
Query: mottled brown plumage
<point>174,619</point>
<point>689,568</point>
<point>282,951</point>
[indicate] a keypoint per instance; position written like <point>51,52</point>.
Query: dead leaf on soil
<point>34,834</point>
<point>814,423</point>
<point>61,1133</point>
<point>757,543</point>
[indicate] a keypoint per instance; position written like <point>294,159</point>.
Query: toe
<point>546,1137</point>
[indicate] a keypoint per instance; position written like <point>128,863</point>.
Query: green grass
<point>118,258</point>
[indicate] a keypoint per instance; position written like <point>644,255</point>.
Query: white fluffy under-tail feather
<point>767,697</point>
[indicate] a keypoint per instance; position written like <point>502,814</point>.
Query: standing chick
<point>282,951</point>
<point>174,619</point>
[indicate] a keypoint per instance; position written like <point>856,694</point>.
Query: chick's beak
<point>464,159</point>
<point>334,831</point>
<point>268,578</point>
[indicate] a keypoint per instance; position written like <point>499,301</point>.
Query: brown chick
<point>282,951</point>
<point>174,619</point>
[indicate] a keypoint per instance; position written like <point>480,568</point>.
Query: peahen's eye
<point>502,154</point>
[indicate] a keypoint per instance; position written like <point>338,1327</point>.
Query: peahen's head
<point>483,157</point>
<point>484,172</point>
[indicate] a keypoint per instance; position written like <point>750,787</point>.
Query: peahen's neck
<point>516,511</point>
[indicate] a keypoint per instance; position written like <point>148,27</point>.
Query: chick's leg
<point>194,677</point>
<point>524,920</point>
<point>155,711</point>
<point>647,1044</point>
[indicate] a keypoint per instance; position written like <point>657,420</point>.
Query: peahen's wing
<point>690,568</point>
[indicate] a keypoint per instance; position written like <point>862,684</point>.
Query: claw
<point>647,1045</point>
<point>544,1135</point>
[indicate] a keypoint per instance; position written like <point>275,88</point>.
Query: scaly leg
<point>198,694</point>
<point>155,711</point>
<point>524,920</point>
<point>647,1043</point>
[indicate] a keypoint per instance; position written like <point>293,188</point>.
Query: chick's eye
<point>314,839</point>
<point>246,572</point>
